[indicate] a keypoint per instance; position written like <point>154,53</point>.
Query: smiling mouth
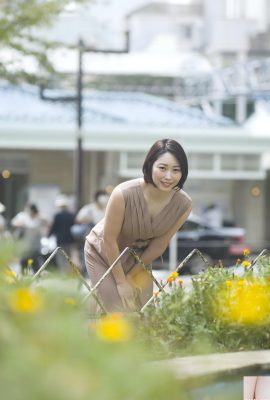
<point>166,184</point>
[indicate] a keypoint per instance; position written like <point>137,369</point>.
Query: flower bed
<point>51,350</point>
<point>222,312</point>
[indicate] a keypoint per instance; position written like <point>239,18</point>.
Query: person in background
<point>143,214</point>
<point>88,216</point>
<point>92,213</point>
<point>2,219</point>
<point>29,225</point>
<point>213,215</point>
<point>61,229</point>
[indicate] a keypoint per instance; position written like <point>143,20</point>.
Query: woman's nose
<point>168,174</point>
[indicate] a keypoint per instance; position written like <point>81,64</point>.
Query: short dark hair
<point>33,208</point>
<point>100,192</point>
<point>159,148</point>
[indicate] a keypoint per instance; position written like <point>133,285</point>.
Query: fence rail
<point>92,291</point>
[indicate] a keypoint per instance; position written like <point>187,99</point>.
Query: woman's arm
<point>249,387</point>
<point>158,245</point>
<point>112,227</point>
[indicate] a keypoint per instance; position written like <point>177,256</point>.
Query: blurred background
<point>87,86</point>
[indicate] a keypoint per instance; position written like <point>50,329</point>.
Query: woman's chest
<point>155,207</point>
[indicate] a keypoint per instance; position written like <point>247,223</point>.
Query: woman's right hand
<point>127,295</point>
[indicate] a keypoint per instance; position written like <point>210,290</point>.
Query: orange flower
<point>170,279</point>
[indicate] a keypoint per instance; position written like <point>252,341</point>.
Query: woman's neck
<point>154,193</point>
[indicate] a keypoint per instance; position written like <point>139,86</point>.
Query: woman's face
<point>166,172</point>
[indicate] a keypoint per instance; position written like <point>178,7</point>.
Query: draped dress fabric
<point>137,230</point>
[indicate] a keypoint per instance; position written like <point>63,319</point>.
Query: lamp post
<point>78,154</point>
<point>78,99</point>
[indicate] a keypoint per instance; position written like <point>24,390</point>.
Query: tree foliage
<point>20,44</point>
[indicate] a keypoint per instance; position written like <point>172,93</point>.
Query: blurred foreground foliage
<point>49,349</point>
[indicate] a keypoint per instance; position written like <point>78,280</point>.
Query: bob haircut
<point>159,148</point>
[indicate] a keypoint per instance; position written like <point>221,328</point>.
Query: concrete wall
<point>249,210</point>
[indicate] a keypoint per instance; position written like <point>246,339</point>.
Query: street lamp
<point>78,99</point>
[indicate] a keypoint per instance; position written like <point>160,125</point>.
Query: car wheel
<point>197,265</point>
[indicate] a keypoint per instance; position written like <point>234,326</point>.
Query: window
<point>201,161</point>
<point>234,9</point>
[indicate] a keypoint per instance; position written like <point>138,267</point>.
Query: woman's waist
<point>138,244</point>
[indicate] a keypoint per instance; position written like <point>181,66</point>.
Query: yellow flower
<point>229,283</point>
<point>179,281</point>
<point>246,252</point>
<point>156,294</point>
<point>238,261</point>
<point>246,264</point>
<point>241,283</point>
<point>71,301</point>
<point>113,328</point>
<point>25,300</point>
<point>10,276</point>
<point>174,275</point>
<point>29,262</point>
<point>245,305</point>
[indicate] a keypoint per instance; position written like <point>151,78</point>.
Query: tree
<point>19,42</point>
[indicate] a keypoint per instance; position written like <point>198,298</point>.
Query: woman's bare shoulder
<point>128,184</point>
<point>184,195</point>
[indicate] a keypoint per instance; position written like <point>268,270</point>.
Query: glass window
<point>200,161</point>
<point>135,160</point>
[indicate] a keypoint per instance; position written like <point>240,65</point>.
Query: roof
<point>23,105</point>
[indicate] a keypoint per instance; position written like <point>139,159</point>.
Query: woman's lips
<point>166,184</point>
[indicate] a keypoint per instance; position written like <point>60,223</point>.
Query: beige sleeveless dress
<point>138,226</point>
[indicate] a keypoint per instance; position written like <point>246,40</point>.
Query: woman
<point>143,214</point>
<point>257,388</point>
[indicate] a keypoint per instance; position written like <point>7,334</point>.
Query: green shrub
<point>221,312</point>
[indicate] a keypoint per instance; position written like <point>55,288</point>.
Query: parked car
<point>224,243</point>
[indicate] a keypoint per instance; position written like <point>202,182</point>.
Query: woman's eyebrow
<point>178,166</point>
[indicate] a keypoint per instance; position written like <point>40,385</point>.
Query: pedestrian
<point>61,229</point>
<point>144,214</point>
<point>213,215</point>
<point>87,217</point>
<point>2,220</point>
<point>92,213</point>
<point>29,226</point>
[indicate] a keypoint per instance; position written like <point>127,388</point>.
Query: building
<point>37,143</point>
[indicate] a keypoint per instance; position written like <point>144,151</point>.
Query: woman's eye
<point>162,168</point>
<point>177,170</point>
